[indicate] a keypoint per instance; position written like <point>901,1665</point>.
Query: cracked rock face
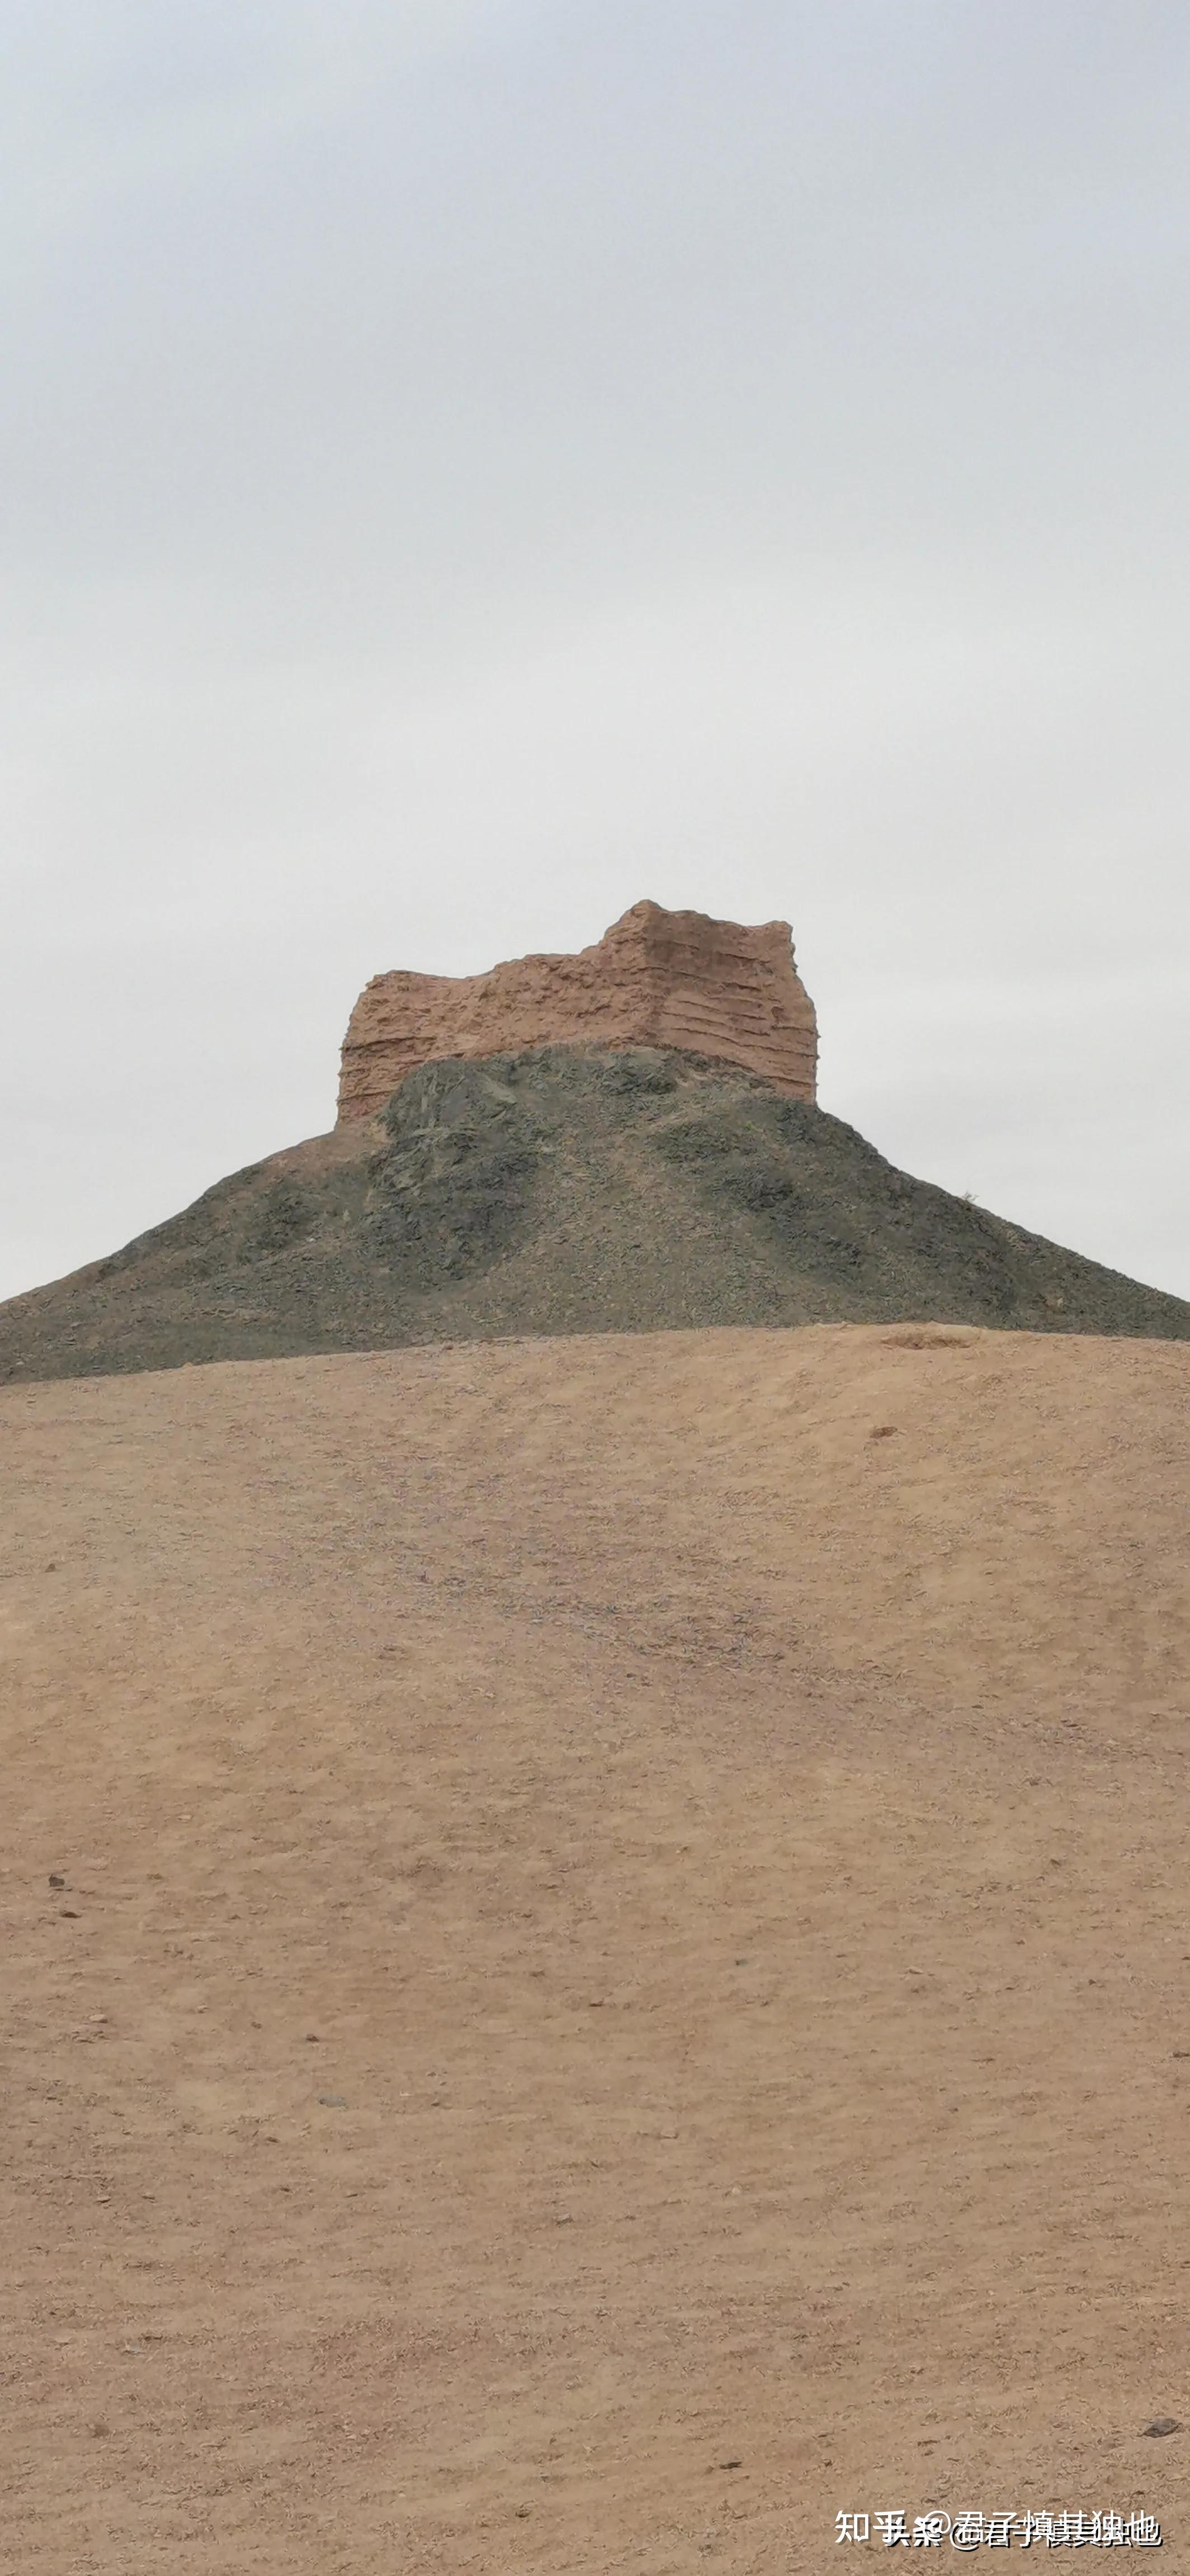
<point>656,978</point>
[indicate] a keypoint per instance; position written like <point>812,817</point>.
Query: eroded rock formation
<point>656,978</point>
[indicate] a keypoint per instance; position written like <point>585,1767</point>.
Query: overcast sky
<point>467,465</point>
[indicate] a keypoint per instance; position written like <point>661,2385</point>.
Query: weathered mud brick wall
<point>656,978</point>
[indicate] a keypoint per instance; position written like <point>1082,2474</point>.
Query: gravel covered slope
<point>559,1191</point>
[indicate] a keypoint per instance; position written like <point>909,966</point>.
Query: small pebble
<point>1163,2424</point>
<point>334,2101</point>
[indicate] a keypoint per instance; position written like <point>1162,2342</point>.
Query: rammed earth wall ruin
<point>656,978</point>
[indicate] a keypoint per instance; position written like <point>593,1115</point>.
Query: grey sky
<point>466,467</point>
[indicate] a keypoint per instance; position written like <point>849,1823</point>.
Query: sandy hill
<point>594,1951</point>
<point>562,1190</point>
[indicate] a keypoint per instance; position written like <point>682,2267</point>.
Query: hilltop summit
<point>562,1189</point>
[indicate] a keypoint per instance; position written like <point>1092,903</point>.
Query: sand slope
<point>624,1912</point>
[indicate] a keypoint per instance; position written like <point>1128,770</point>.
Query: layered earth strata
<point>656,978</point>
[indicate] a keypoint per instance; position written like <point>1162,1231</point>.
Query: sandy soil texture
<point>594,1952</point>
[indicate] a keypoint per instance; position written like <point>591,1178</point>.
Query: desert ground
<point>594,1938</point>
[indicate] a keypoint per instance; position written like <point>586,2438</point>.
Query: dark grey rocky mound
<point>560,1190</point>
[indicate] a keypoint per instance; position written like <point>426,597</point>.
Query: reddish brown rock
<point>656,978</point>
